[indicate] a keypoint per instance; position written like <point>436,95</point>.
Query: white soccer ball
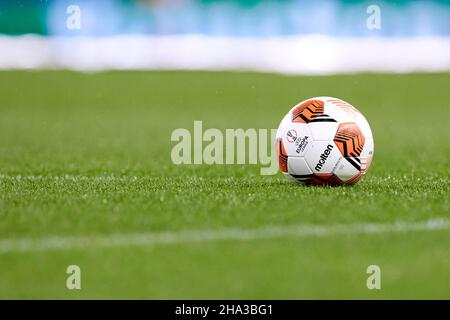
<point>324,141</point>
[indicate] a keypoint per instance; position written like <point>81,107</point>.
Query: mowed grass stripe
<point>208,235</point>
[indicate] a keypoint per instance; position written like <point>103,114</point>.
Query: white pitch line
<point>209,235</point>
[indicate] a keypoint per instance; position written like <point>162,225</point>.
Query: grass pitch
<point>88,155</point>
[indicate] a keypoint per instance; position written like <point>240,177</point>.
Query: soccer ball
<point>324,141</point>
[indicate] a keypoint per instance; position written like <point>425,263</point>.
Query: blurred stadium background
<point>305,37</point>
